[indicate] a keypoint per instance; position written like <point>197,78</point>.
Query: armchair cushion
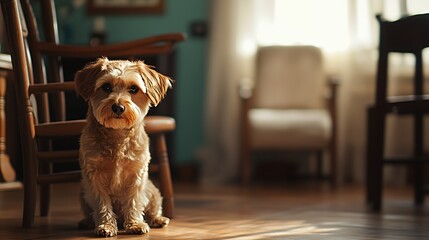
<point>289,129</point>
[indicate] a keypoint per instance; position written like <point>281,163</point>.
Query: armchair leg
<point>333,144</point>
<point>245,169</point>
<point>246,158</point>
<point>333,155</point>
<point>319,164</point>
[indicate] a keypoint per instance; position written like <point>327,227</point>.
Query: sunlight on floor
<point>246,229</point>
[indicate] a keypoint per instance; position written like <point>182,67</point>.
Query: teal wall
<point>76,27</point>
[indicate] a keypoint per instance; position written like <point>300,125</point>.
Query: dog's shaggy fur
<point>114,147</point>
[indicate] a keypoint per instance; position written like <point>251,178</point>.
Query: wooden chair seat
<point>404,104</point>
<point>159,124</point>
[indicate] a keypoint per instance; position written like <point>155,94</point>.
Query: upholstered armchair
<point>290,107</point>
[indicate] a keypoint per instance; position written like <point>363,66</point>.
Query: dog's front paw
<point>106,230</point>
<point>137,228</point>
<point>159,222</point>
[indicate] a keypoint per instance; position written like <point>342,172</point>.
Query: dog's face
<point>120,92</point>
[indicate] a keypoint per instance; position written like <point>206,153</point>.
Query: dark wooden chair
<point>407,35</point>
<point>42,118</point>
<point>287,109</point>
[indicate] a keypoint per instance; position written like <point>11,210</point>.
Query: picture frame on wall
<point>126,6</point>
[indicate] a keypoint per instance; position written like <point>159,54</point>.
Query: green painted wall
<point>76,27</point>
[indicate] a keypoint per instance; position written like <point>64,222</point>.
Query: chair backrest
<point>289,77</point>
<point>407,35</point>
<point>53,70</point>
<point>29,73</point>
<point>21,61</point>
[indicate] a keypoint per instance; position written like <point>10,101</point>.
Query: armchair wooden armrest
<point>151,45</point>
<point>333,83</point>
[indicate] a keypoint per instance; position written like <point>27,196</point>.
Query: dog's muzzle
<point>118,109</point>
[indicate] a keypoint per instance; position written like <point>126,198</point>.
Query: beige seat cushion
<point>305,129</point>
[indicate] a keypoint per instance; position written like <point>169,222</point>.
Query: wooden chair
<point>406,35</point>
<point>287,109</point>
<point>39,127</point>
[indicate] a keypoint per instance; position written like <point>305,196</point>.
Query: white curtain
<point>346,31</point>
<point>232,44</point>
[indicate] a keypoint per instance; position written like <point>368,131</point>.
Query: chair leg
<point>30,191</point>
<point>418,166</point>
<point>377,121</point>
<point>369,161</point>
<point>30,197</point>
<point>45,191</point>
<point>166,186</point>
<point>45,199</point>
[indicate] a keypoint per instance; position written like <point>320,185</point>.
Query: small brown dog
<point>114,147</point>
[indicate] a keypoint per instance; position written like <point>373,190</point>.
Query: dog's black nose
<point>118,109</point>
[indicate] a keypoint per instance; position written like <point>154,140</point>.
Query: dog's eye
<point>107,88</point>
<point>134,89</point>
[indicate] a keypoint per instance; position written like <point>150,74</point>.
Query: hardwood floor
<point>261,212</point>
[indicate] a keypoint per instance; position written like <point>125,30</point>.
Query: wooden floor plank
<point>261,212</point>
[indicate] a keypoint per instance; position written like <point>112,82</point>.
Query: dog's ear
<point>156,84</point>
<point>85,79</point>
